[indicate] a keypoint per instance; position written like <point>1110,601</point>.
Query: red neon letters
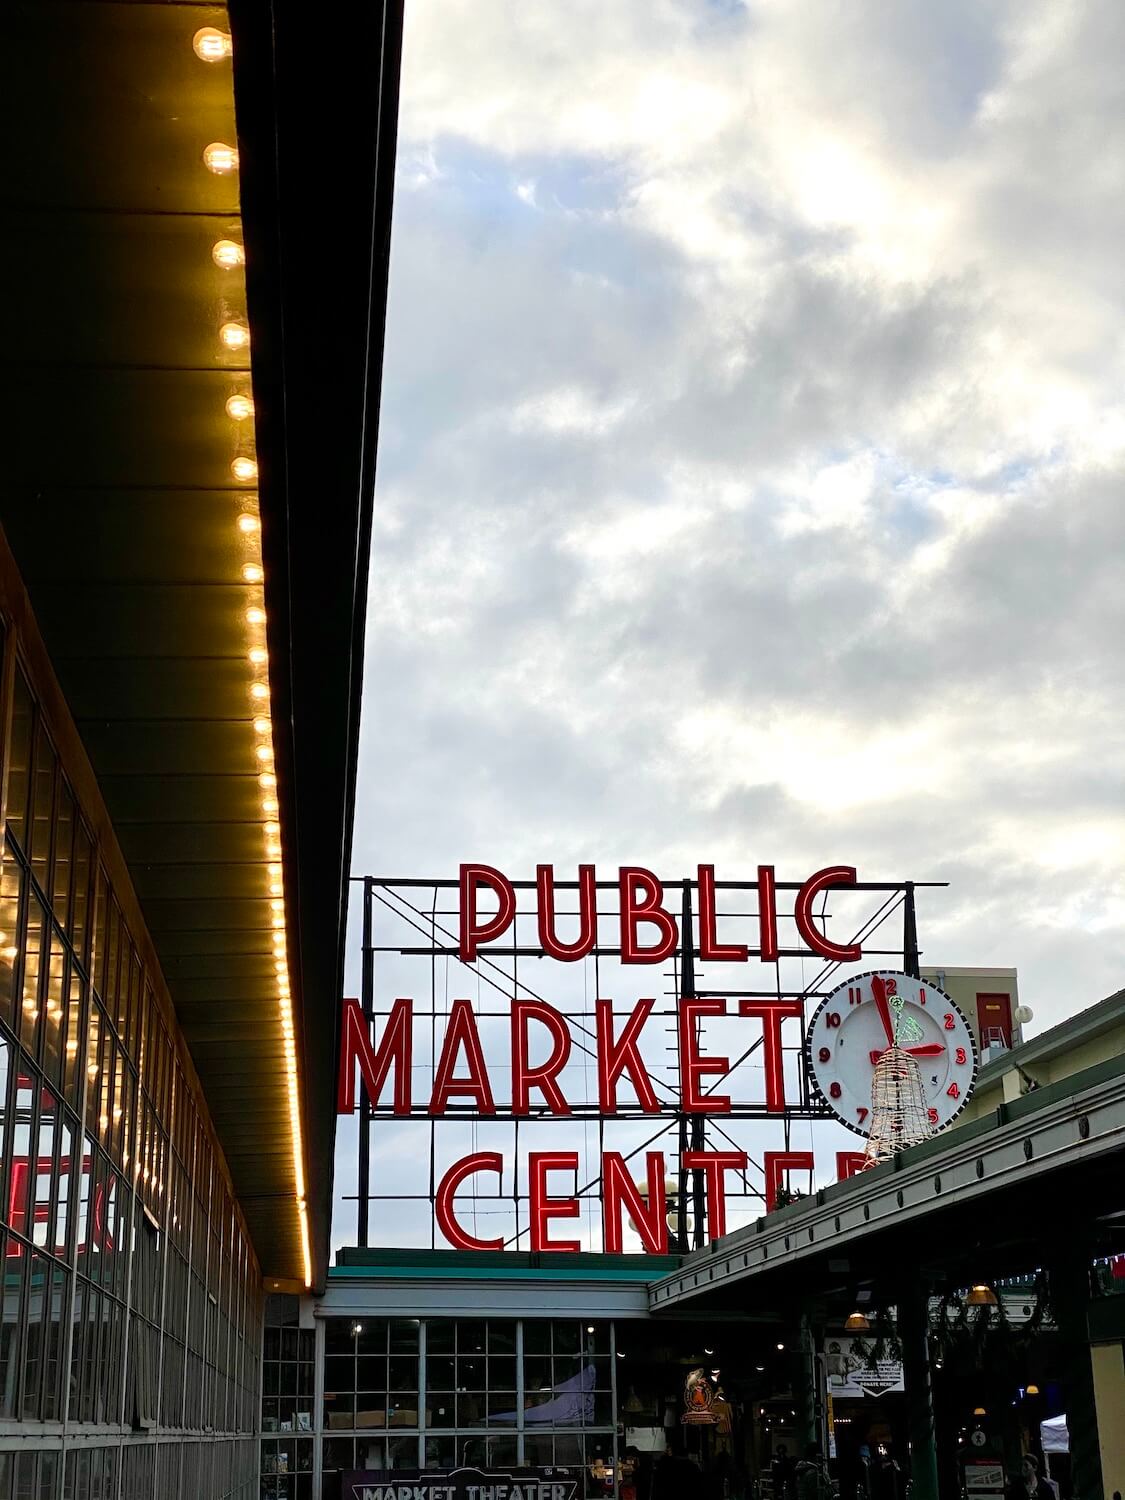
<point>823,880</point>
<point>524,1076</point>
<point>617,1057</point>
<point>375,1062</point>
<point>692,1066</point>
<point>771,1013</point>
<point>587,914</point>
<point>461,1239</point>
<point>473,877</point>
<point>641,895</point>
<point>543,1208</point>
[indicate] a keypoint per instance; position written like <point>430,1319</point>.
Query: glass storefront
<point>404,1393</point>
<point>131,1296</point>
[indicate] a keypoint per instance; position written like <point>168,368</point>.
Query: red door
<point>994,1019</point>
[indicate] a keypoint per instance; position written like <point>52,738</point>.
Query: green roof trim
<point>503,1265</point>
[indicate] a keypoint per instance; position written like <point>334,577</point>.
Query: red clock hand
<point>932,1049</point>
<point>879,990</point>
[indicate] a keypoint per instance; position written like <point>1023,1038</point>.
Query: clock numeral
<point>834,1091</point>
<point>891,986</point>
<point>950,1023</point>
<point>932,1116</point>
<point>959,1056</point>
<point>855,995</point>
<point>953,1091</point>
<point>824,1055</point>
<point>861,1114</point>
<point>832,1018</point>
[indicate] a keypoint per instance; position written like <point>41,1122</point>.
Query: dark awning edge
<point>317,119</point>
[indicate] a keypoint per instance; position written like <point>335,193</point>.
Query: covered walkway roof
<point>199,616</point>
<point>964,1207</point>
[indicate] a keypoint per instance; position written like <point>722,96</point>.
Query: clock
<point>855,1025</point>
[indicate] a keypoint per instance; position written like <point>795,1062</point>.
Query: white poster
<point>850,1374</point>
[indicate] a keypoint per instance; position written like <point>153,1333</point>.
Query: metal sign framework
<point>416,919</point>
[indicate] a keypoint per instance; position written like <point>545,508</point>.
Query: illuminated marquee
<point>524,1075</point>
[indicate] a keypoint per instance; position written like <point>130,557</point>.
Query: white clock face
<point>862,1018</point>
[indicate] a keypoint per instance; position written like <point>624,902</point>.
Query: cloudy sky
<point>750,483</point>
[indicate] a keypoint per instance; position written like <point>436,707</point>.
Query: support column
<point>913,1333</point>
<point>1070,1300</point>
<point>1109,1393</point>
<point>806,1389</point>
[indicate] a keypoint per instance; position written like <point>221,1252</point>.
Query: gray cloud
<point>752,458</point>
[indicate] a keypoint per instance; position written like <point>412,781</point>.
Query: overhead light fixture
<point>856,1323</point>
<point>234,336</point>
<point>979,1411</point>
<point>220,159</point>
<point>981,1295</point>
<point>1032,1390</point>
<point>227,255</point>
<point>780,1347</point>
<point>211,45</point>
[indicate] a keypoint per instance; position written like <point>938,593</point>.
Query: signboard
<point>486,1045</point>
<point>851,1375</point>
<point>462,1484</point>
<point>984,1476</point>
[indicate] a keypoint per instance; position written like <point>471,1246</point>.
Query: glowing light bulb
<point>275,870</point>
<point>275,887</point>
<point>267,778</point>
<point>234,336</point>
<point>244,468</point>
<point>273,829</point>
<point>259,690</point>
<point>248,524</point>
<point>277,905</point>
<point>277,920</point>
<point>211,45</point>
<point>269,804</point>
<point>227,255</point>
<point>240,407</point>
<point>220,159</point>
<point>264,753</point>
<point>255,616</point>
<point>262,726</point>
<point>252,573</point>
<point>258,654</point>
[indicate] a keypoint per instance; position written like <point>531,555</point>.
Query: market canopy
<point>119,499</point>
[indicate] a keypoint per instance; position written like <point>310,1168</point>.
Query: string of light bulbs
<point>214,46</point>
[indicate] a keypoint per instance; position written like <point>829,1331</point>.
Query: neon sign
<point>518,1064</point>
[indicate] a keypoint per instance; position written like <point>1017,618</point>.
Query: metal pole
<point>367,1005</point>
<point>914,1335</point>
<point>910,954</point>
<point>698,1122</point>
<point>1069,1274</point>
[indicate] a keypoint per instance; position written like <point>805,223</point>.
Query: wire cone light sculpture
<point>899,1117</point>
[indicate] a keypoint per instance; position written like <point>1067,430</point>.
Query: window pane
<point>64,838</point>
<point>11,886</point>
<point>440,1409</point>
<point>403,1334</point>
<point>32,960</point>
<point>439,1336</point>
<point>18,758</point>
<point>42,799</point>
<point>501,1337</point>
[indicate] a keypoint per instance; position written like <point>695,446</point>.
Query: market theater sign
<point>462,1484</point>
<point>649,934</point>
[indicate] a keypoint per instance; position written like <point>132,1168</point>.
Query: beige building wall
<point>1109,1398</point>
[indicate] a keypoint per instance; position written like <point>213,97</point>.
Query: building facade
<point>182,595</point>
